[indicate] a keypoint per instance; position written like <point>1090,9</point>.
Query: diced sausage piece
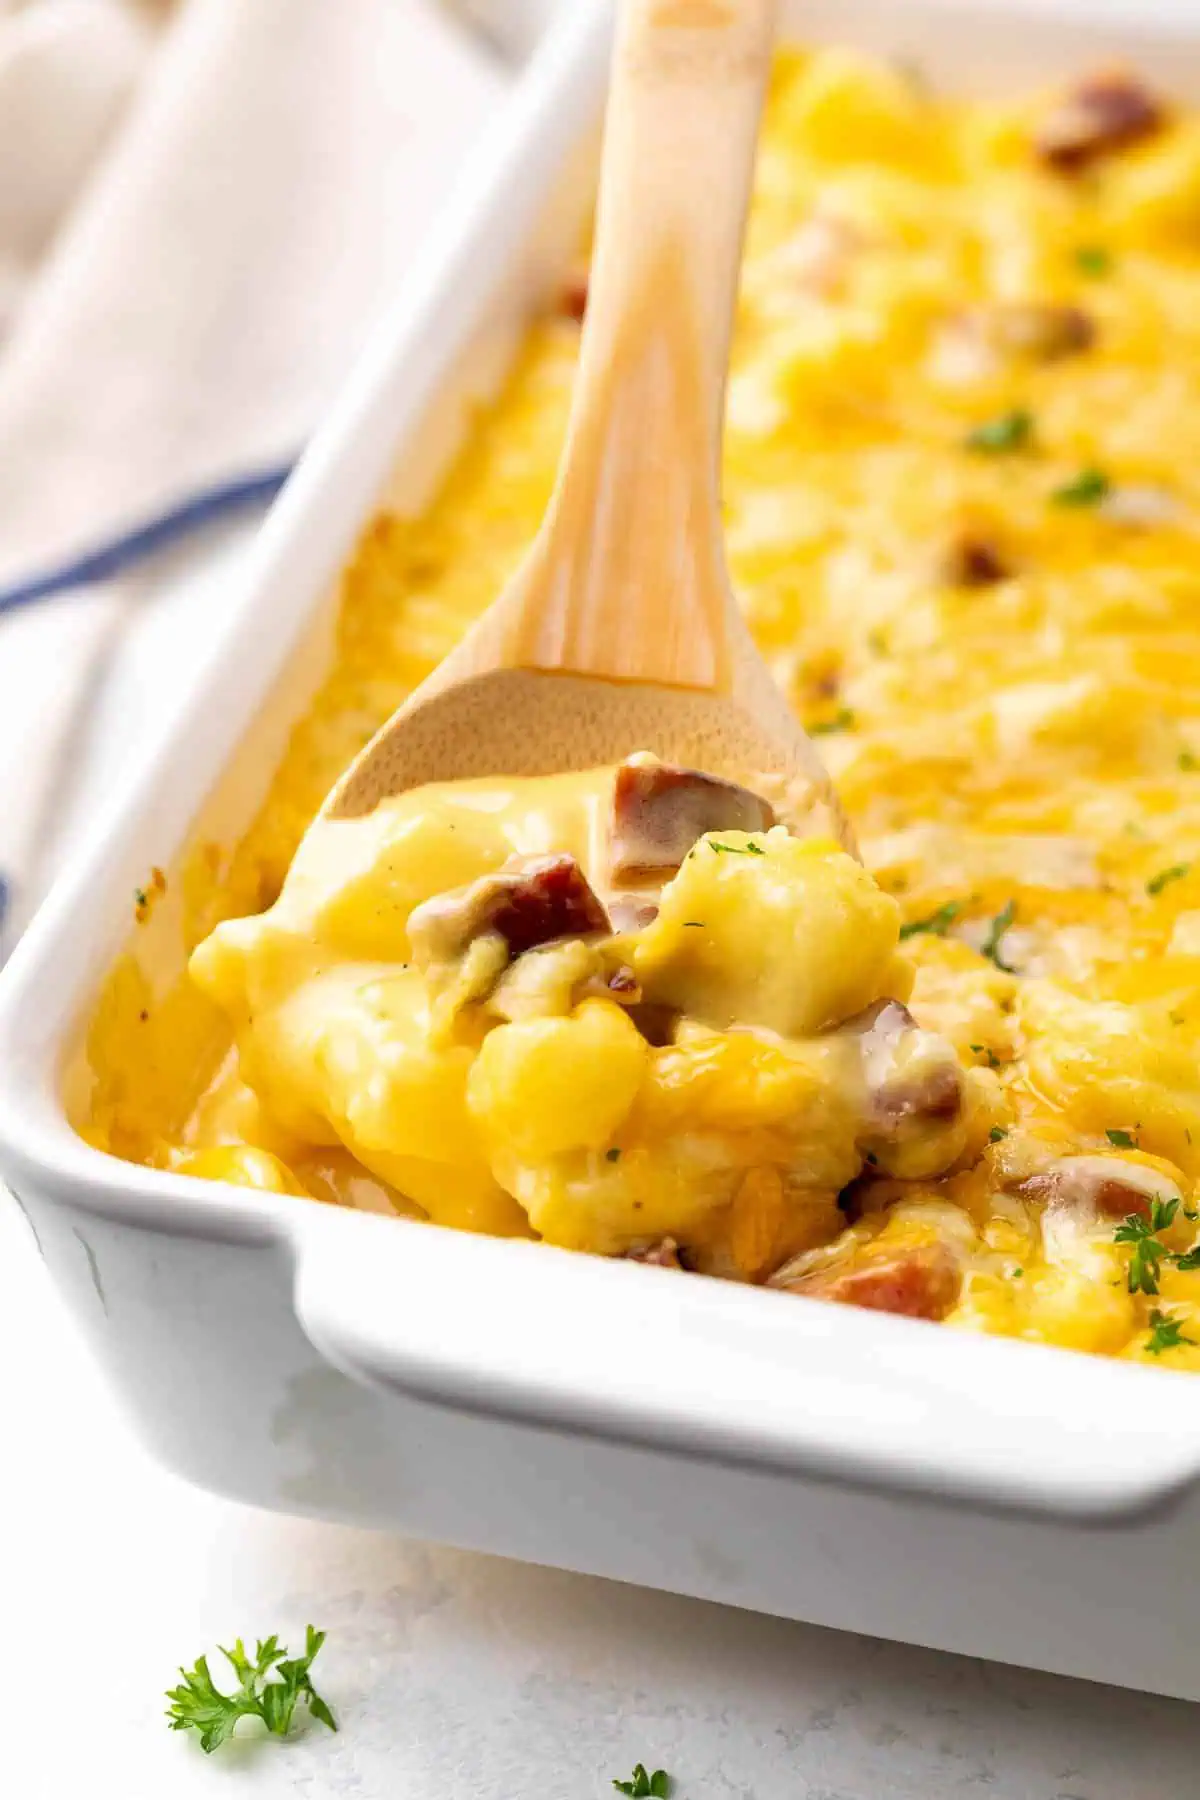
<point>1042,330</point>
<point>532,900</point>
<point>630,914</point>
<point>663,1255</point>
<point>918,1283</point>
<point>975,343</point>
<point>659,811</point>
<point>912,1076</point>
<point>624,985</point>
<point>1110,1185</point>
<point>1107,111</point>
<point>971,560</point>
<point>573,297</point>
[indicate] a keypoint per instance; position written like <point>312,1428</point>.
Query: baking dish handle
<point>642,1357</point>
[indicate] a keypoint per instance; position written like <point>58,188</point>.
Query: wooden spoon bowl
<point>620,631</point>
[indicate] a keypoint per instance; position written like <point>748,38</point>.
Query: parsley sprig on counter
<point>641,1786</point>
<point>270,1687</point>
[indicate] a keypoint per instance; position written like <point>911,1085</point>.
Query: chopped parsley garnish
<point>1188,762</point>
<point>1088,488</point>
<point>1166,1334</point>
<point>1093,259</point>
<point>612,1156</point>
<point>985,1050</point>
<point>641,1786</point>
<point>996,931</point>
<point>1176,872</point>
<point>1122,1140</point>
<point>996,1134</point>
<point>999,436</point>
<point>842,720</point>
<point>1149,1252</point>
<point>140,898</point>
<point>937,924</point>
<point>1189,1262</point>
<point>735,849</point>
<point>269,1688</point>
<point>1013,1273</point>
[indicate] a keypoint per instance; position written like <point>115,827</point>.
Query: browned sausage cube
<point>919,1283</point>
<point>659,811</point>
<point>1107,111</point>
<point>531,900</point>
<point>1045,330</point>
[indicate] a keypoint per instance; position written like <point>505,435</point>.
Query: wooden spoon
<point>620,631</point>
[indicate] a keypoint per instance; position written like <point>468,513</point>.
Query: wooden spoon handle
<point>629,578</point>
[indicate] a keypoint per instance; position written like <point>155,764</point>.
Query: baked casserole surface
<point>962,497</point>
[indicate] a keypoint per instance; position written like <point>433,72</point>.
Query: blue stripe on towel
<point>159,534</point>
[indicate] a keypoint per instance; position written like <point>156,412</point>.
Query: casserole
<point>810,1461</point>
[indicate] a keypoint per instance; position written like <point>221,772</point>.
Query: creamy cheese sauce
<point>446,990</point>
<point>962,501</point>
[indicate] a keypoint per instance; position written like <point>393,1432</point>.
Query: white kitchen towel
<point>259,207</point>
<point>67,71</point>
<point>256,211</point>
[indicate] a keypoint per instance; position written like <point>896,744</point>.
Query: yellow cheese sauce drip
<point>962,482</point>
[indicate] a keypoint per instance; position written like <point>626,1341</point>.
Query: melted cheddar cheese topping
<point>963,505</point>
<point>440,991</point>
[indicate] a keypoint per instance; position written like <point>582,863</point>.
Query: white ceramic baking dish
<point>807,1460</point>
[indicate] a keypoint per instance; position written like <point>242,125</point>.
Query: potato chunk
<point>789,934</point>
<point>540,1087</point>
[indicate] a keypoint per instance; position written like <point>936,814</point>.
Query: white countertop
<point>454,1676</point>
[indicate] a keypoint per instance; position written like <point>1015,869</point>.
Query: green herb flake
<point>1094,260</point>
<point>996,932</point>
<point>988,1054</point>
<point>1188,762</point>
<point>720,849</point>
<point>842,720</point>
<point>140,899</point>
<point>937,924</point>
<point>1088,488</point>
<point>1122,1140</point>
<point>641,1786</point>
<point>1189,1262</point>
<point>997,1134</point>
<point>1148,1252</point>
<point>269,1688</point>
<point>1002,435</point>
<point>1176,872</point>
<point>1166,1334</point>
<point>1013,1273</point>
